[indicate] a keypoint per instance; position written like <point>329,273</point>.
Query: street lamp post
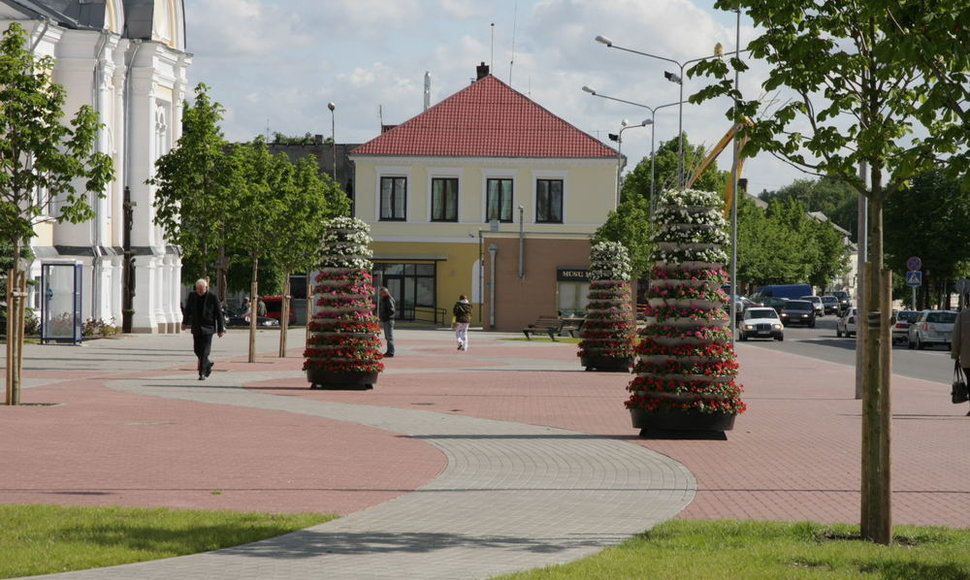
<point>674,78</point>
<point>624,125</point>
<point>333,138</point>
<point>653,157</point>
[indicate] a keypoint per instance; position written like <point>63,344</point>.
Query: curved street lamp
<point>619,149</point>
<point>677,78</point>
<point>653,113</point>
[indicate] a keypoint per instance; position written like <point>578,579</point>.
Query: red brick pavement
<point>793,456</point>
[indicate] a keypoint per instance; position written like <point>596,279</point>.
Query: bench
<point>547,324</point>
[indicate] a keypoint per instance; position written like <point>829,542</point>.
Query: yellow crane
<point>713,154</point>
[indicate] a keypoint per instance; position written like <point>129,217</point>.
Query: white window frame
<point>550,174</point>
<point>393,171</point>
<point>444,173</point>
<point>500,174</point>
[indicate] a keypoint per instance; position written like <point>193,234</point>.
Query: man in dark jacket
<point>204,314</point>
<point>386,313</point>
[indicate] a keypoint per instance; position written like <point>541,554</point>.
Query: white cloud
<point>279,62</point>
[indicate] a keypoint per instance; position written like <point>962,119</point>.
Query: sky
<point>274,65</point>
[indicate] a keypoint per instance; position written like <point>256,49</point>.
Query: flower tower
<point>610,326</point>
<point>685,375</point>
<point>343,350</point>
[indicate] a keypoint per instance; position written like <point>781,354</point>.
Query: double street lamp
<point>653,113</point>
<point>674,78</point>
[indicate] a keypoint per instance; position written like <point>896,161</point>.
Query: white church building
<point>127,60</point>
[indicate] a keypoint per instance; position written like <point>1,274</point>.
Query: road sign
<point>914,278</point>
<point>914,263</point>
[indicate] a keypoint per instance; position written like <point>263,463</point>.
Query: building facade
<point>126,59</point>
<point>489,195</point>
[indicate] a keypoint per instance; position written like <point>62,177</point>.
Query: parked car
<point>831,305</point>
<point>237,320</point>
<point>844,300</point>
<point>903,319</point>
<point>774,302</point>
<point>845,325</point>
<point>816,304</point>
<point>798,312</point>
<point>761,322</point>
<point>274,308</point>
<point>931,327</point>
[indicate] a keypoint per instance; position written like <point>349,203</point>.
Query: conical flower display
<point>686,368</point>
<point>343,347</point>
<point>610,327</point>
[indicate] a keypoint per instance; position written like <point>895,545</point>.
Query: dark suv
<point>798,312</point>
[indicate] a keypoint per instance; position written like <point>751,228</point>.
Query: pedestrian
<point>386,312</point>
<point>204,315</point>
<point>463,317</point>
<point>261,308</point>
<point>248,312</point>
<point>960,341</point>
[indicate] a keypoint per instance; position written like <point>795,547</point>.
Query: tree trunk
<point>254,309</point>
<point>16,314</point>
<point>876,506</point>
<point>284,315</point>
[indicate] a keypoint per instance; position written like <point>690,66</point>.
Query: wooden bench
<point>547,324</point>
<point>571,325</point>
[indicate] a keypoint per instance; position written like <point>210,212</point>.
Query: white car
<point>932,327</point>
<point>845,325</point>
<point>761,322</point>
<point>817,304</point>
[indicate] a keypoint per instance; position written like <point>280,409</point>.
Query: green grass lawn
<point>730,550</point>
<point>43,539</point>
<point>40,539</point>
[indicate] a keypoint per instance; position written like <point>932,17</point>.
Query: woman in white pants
<point>463,317</point>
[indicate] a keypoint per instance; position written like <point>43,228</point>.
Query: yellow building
<point>489,195</point>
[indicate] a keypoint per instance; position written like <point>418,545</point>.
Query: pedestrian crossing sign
<point>914,278</point>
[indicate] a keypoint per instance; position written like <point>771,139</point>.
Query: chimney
<point>482,71</point>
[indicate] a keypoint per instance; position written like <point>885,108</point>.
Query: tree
<point>835,198</point>
<point>637,182</point>
<point>194,196</point>
<point>48,170</point>
<point>929,220</point>
<point>629,225</point>
<point>310,200</point>
<point>876,82</point>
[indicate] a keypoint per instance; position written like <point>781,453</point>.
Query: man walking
<point>204,315</point>
<point>385,313</point>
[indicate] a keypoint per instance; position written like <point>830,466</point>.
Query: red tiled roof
<point>486,119</point>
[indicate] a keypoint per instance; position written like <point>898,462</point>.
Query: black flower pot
<point>606,364</point>
<point>686,420</point>
<point>341,380</point>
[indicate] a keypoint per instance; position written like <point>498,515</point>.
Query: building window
<point>549,201</point>
<point>444,199</point>
<point>412,286</point>
<point>498,200</point>
<point>394,198</point>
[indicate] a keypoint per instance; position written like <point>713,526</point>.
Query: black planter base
<point>663,424</point>
<point>347,381</point>
<point>606,365</point>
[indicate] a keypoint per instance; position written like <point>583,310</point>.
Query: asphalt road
<point>933,364</point>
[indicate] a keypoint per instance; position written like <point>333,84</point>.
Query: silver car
<point>931,327</point>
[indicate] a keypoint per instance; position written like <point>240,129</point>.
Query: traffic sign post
<point>914,277</point>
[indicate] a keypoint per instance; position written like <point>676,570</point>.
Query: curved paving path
<point>511,497</point>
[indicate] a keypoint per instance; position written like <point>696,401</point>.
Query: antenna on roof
<point>515,15</point>
<point>380,116</point>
